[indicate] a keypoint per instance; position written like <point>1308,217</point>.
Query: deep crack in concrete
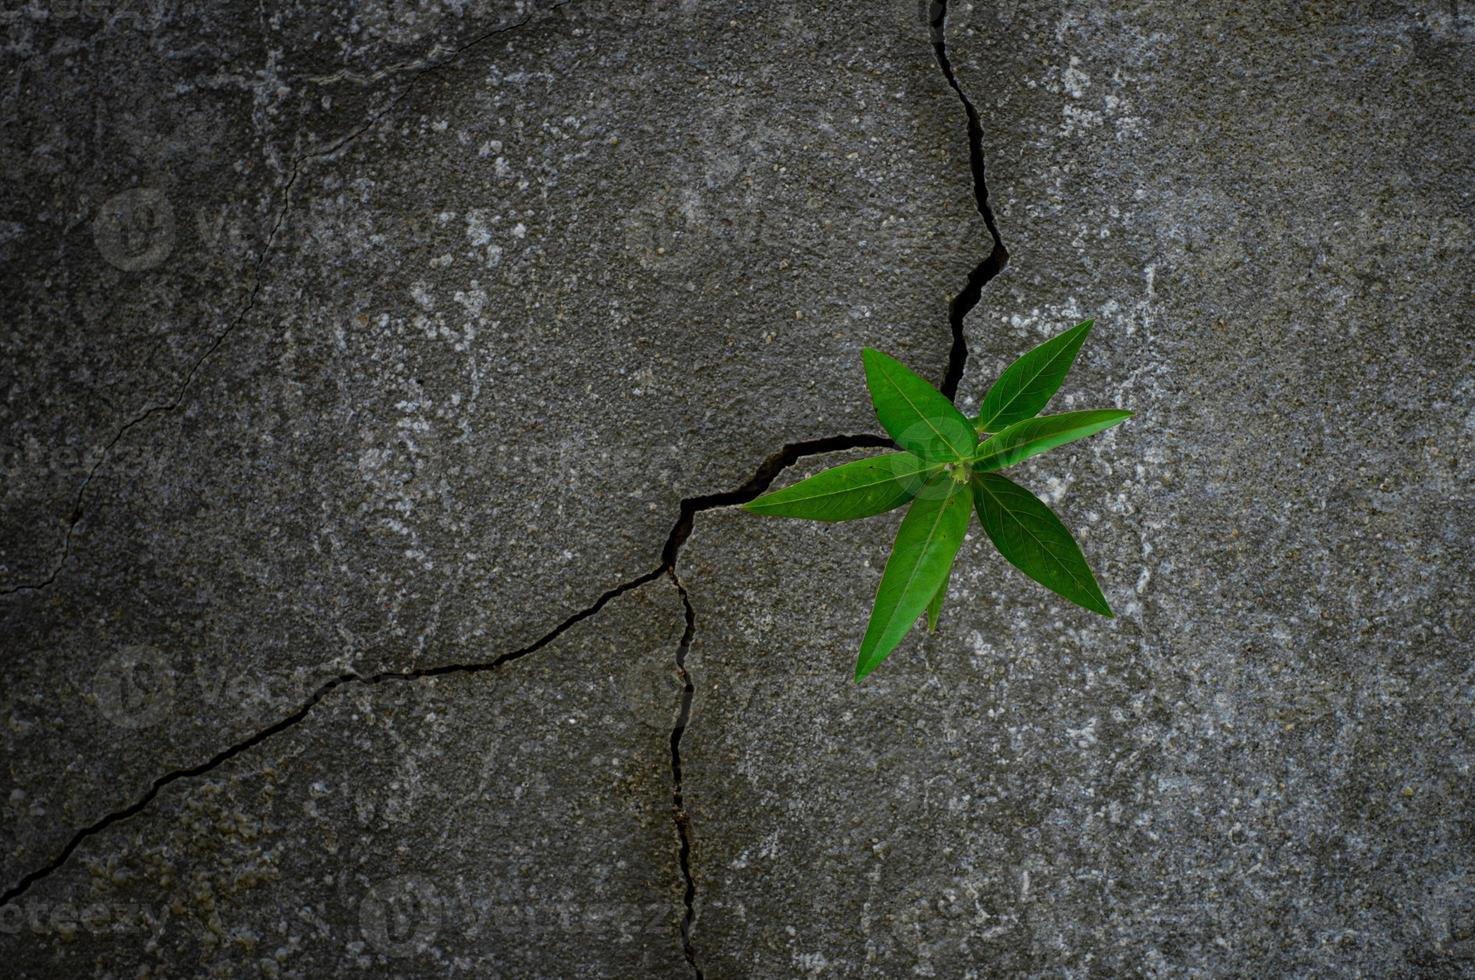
<point>678,799</point>
<point>993,263</point>
<point>763,477</point>
<point>958,309</point>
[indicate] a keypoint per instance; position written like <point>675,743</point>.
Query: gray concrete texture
<point>362,362</point>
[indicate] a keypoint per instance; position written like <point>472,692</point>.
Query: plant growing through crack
<point>947,470</point>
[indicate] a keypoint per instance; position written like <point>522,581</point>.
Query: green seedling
<point>948,470</point>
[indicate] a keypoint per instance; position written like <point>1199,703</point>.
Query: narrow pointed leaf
<point>1033,436</point>
<point>851,490</point>
<point>926,544</point>
<point>1030,536</point>
<point>917,415</point>
<point>934,608</point>
<point>1029,383</point>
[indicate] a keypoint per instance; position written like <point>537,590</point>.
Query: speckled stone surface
<point>388,337</point>
<point>1264,764</point>
<point>511,316</point>
<point>514,822</point>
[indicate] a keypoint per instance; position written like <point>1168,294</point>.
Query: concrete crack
<point>760,481</point>
<point>958,309</point>
<point>993,263</point>
<point>298,715</point>
<point>763,477</point>
<point>678,800</point>
<point>77,511</point>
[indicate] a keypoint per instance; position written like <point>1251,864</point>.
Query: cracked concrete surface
<point>370,367</point>
<point>1264,764</point>
<point>584,270</point>
<point>493,823</point>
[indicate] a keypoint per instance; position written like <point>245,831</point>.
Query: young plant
<point>949,469</point>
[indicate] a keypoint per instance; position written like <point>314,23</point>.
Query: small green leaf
<point>1034,541</point>
<point>917,415</point>
<point>1033,436</point>
<point>1029,383</point>
<point>934,608</point>
<point>926,544</point>
<point>850,490</point>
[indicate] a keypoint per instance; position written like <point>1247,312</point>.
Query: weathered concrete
<point>584,269</point>
<point>508,823</point>
<point>523,298</point>
<point>149,148</point>
<point>1264,765</point>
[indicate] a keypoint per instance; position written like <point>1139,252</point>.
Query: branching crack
<point>763,477</point>
<point>77,511</point>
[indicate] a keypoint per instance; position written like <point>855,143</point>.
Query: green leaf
<point>1034,541</point>
<point>851,490</point>
<point>1033,436</point>
<point>934,608</point>
<point>917,415</point>
<point>926,544</point>
<point>1028,384</point>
